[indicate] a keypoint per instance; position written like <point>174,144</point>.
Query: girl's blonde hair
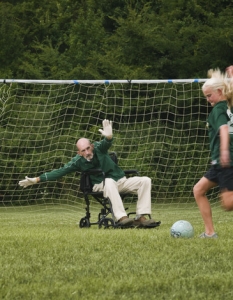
<point>218,80</point>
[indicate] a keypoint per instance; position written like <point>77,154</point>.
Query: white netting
<point>159,128</point>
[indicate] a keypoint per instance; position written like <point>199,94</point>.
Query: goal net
<point>159,129</point>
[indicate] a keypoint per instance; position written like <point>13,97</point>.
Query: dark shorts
<point>222,176</point>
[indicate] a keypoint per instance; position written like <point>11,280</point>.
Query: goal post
<point>159,128</point>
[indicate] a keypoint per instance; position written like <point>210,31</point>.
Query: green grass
<point>45,255</point>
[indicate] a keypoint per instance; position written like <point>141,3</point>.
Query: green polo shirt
<point>101,160</point>
<point>216,119</point>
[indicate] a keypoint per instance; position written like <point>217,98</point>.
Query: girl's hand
<point>229,71</point>
<point>225,158</point>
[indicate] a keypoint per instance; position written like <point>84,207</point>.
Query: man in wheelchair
<point>95,156</point>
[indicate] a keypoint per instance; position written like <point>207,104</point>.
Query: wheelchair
<point>105,217</point>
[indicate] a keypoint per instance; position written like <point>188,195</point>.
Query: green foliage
<point>11,40</point>
<point>114,39</point>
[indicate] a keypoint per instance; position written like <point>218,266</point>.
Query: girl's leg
<point>227,200</point>
<point>199,191</point>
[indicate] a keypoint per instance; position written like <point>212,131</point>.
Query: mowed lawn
<point>45,255</point>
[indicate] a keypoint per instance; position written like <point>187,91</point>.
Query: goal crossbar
<point>145,81</point>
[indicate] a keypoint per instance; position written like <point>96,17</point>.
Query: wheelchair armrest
<point>95,171</point>
<point>128,172</point>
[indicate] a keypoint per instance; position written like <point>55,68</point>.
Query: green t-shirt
<point>216,119</point>
<point>101,160</point>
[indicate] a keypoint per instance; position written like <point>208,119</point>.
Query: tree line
<point>101,39</point>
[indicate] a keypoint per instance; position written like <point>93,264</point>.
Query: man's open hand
<point>107,129</point>
<point>28,181</point>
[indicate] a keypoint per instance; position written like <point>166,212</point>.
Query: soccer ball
<point>182,229</point>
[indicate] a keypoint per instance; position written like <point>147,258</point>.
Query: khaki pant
<point>133,185</point>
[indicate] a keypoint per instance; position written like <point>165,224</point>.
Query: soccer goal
<point>159,129</point>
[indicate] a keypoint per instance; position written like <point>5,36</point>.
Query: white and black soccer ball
<point>182,229</point>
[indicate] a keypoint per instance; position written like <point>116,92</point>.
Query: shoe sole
<point>150,225</point>
<point>208,237</point>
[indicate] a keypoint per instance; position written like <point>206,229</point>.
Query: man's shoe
<point>143,222</point>
<point>125,221</point>
<point>206,236</point>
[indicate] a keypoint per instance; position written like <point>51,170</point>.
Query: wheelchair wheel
<point>84,222</point>
<point>106,223</point>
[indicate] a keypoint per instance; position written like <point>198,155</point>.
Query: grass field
<point>45,255</point>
